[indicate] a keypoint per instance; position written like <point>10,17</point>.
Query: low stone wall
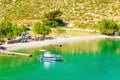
<point>13,41</point>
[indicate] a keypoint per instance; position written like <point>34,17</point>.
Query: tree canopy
<point>53,18</point>
<point>9,30</point>
<point>40,28</point>
<point>108,27</point>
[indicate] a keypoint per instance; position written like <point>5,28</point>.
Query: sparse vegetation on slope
<point>82,11</point>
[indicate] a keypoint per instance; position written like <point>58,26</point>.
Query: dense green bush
<point>16,30</point>
<point>40,28</point>
<point>56,23</point>
<point>9,30</point>
<point>108,27</point>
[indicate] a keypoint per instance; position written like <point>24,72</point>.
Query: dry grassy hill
<point>77,11</point>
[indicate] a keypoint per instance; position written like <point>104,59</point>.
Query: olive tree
<point>53,18</point>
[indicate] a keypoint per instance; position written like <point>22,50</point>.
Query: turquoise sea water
<point>87,60</point>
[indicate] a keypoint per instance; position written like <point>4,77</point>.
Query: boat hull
<point>51,58</point>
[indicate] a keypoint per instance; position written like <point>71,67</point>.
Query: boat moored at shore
<point>50,57</point>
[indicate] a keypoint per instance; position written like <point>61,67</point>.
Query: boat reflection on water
<point>48,64</point>
<point>49,59</point>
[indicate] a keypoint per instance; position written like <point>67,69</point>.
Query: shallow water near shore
<point>86,60</point>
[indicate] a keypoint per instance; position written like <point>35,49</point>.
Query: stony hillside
<point>84,11</point>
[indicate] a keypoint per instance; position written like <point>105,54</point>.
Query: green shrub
<point>40,28</point>
<point>108,27</point>
<point>9,30</point>
<point>37,27</point>
<point>56,23</point>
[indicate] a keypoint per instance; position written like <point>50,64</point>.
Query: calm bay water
<point>86,60</point>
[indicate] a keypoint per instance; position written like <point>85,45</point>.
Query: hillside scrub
<point>80,10</point>
<point>74,11</point>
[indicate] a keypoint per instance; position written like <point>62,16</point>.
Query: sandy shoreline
<point>57,40</point>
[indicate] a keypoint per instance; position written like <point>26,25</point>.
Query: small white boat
<point>48,56</point>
